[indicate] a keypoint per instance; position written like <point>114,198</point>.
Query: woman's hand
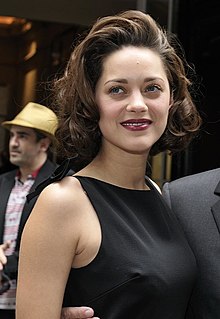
<point>3,259</point>
<point>77,313</point>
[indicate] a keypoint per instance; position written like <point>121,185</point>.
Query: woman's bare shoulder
<point>62,195</point>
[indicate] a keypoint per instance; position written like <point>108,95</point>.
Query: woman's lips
<point>136,124</point>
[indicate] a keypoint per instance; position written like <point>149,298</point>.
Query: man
<point>31,135</point>
<point>195,200</point>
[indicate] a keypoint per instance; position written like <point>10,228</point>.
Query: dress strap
<point>150,183</point>
<point>60,172</point>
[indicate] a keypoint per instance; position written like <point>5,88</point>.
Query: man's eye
<point>22,136</point>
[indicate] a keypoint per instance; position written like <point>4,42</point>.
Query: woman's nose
<point>137,103</point>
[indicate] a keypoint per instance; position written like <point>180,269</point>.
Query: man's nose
<point>13,141</point>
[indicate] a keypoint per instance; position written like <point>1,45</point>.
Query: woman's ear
<point>171,100</point>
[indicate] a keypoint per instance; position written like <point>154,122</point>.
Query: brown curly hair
<point>78,132</point>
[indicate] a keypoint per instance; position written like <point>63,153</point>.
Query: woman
<point>104,237</point>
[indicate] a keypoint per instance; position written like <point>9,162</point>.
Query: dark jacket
<point>196,202</point>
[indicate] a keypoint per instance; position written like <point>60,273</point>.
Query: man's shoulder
<point>48,167</point>
<point>196,185</point>
<point>192,195</point>
<point>7,180</point>
<point>207,177</point>
<point>8,174</point>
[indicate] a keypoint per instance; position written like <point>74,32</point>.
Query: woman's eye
<point>116,90</point>
<point>153,88</point>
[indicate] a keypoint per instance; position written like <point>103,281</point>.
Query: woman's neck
<point>127,171</point>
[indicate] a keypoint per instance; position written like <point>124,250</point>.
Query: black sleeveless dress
<point>144,268</point>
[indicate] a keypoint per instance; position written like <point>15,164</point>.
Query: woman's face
<point>134,98</point>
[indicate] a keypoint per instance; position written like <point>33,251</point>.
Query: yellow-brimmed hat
<point>35,116</point>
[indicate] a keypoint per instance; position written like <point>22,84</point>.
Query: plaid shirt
<point>13,214</point>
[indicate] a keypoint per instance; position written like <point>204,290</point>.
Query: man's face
<point>23,146</point>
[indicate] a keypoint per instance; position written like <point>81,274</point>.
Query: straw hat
<point>35,116</point>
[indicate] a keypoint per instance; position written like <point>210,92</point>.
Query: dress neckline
<point>148,183</point>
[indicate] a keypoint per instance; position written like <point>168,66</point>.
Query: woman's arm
<point>48,246</point>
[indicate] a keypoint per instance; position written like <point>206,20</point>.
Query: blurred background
<point>37,36</point>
